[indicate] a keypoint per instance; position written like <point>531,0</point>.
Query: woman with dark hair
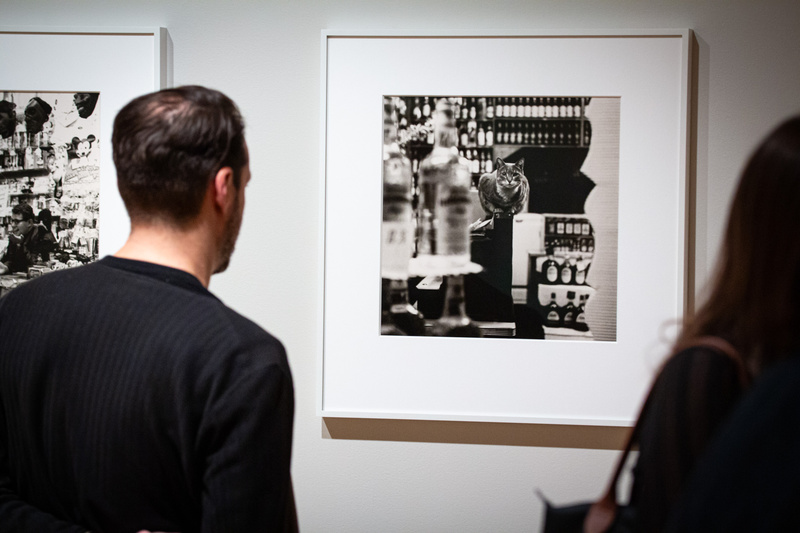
<point>752,305</point>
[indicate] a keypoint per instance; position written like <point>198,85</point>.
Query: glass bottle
<point>397,230</point>
<point>550,268</point>
<point>552,316</point>
<point>567,272</point>
<point>454,321</point>
<point>463,137</point>
<point>568,313</point>
<point>581,271</point>
<point>444,204</point>
<point>403,315</point>
<point>568,226</point>
<point>388,326</point>
<point>580,314</point>
<point>416,112</point>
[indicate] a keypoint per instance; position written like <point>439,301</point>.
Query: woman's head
<point>755,295</point>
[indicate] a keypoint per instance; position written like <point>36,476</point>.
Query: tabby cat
<point>505,190</point>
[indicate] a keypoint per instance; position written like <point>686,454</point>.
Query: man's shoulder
<point>246,334</point>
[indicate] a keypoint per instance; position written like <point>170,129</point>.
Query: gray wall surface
<point>402,476</point>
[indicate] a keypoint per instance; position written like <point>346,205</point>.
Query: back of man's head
<point>168,145</point>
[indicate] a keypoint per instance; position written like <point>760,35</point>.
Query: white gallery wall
<point>401,476</point>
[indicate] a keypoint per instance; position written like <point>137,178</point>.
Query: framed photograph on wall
<point>55,140</point>
<point>504,219</point>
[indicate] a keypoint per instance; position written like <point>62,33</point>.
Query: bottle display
<point>569,241</point>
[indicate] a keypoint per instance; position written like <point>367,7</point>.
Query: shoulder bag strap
<point>603,512</point>
<point>724,347</point>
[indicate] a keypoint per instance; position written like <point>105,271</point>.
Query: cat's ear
<point>521,163</point>
<point>499,163</point>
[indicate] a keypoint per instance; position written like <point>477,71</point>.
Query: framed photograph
<point>59,205</point>
<point>504,218</point>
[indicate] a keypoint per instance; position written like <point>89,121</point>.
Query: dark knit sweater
<point>132,398</point>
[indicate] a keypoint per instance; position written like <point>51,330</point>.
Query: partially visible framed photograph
<point>504,223</point>
<point>59,205</point>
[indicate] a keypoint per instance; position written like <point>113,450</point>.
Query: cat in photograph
<point>505,190</point>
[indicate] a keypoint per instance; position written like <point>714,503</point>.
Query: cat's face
<point>510,174</point>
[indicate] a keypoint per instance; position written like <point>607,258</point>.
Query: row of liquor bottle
<point>564,245</point>
<point>479,161</point>
<point>418,109</point>
<point>557,270</point>
<point>567,225</point>
<point>535,133</point>
<point>23,151</point>
<point>567,133</point>
<point>571,315</point>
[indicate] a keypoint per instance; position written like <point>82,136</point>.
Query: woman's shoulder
<point>702,355</point>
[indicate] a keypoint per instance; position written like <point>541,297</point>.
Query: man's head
<point>22,219</point>
<point>8,118</point>
<point>85,103</point>
<point>168,147</point>
<point>36,114</point>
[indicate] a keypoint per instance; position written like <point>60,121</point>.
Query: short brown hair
<point>169,144</point>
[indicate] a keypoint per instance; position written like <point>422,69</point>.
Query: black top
<point>131,398</point>
<point>694,392</point>
<point>749,478</point>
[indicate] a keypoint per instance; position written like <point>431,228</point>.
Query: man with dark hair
<point>27,243</point>
<point>141,401</point>
<point>8,118</point>
<point>85,103</point>
<point>37,113</point>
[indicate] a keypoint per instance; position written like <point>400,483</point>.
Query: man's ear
<point>223,188</point>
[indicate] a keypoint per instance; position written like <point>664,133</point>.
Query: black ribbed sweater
<point>132,398</point>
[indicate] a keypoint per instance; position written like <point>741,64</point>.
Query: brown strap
<point>602,513</point>
<point>721,345</point>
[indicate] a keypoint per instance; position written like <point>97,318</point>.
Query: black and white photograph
<point>49,183</point>
<point>500,216</point>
